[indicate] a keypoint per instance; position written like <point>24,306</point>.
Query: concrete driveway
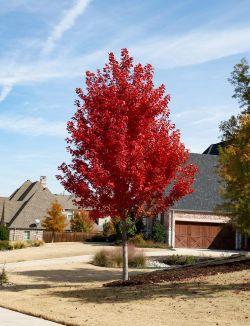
<point>147,252</point>
<point>13,318</point>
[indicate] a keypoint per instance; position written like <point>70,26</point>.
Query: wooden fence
<point>67,236</point>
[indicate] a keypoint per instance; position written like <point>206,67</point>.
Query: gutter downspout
<point>172,229</point>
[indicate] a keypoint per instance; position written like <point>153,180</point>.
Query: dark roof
<point>213,149</point>
<point>206,186</point>
<point>28,203</point>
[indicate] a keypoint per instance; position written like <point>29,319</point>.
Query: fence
<point>66,236</point>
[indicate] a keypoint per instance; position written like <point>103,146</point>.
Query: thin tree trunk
<point>124,251</point>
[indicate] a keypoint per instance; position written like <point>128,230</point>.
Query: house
<point>194,221</point>
<point>25,209</point>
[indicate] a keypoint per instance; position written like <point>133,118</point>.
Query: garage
<point>204,235</point>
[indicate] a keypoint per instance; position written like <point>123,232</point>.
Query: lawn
<point>73,294</point>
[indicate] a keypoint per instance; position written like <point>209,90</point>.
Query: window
<point>69,214</point>
<point>26,235</point>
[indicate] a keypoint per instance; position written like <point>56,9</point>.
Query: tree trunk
<point>124,251</point>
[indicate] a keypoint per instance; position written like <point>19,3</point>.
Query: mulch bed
<point>182,274</point>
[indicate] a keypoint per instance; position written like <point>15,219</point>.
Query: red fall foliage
<point>125,150</point>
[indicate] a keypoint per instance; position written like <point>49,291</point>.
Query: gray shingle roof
<point>206,195</point>
<point>28,203</point>
<point>66,201</point>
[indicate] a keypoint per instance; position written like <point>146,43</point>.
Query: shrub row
<point>139,241</point>
<point>180,260</point>
<point>11,245</point>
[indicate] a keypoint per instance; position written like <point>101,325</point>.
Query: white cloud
<point>6,89</point>
<point>193,48</point>
<point>13,73</point>
<point>32,126</point>
<point>67,21</point>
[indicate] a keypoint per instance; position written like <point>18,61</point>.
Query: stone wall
<point>17,234</point>
<point>200,217</point>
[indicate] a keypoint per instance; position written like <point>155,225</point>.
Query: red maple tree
<point>125,150</point>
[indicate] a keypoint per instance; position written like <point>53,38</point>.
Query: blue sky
<point>46,46</point>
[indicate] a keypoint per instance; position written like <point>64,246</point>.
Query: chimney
<point>43,181</point>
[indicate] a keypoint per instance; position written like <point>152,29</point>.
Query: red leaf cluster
<point>125,151</point>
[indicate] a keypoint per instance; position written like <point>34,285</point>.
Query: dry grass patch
<point>73,294</point>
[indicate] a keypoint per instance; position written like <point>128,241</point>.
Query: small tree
<point>158,232</point>
<point>81,222</point>
<point>3,276</point>
<point>125,150</point>
<point>109,228</point>
<point>235,171</point>
<point>55,221</point>
<point>4,232</point>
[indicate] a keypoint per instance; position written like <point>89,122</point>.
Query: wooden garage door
<point>203,235</point>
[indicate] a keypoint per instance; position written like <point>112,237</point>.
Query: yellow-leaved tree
<point>234,169</point>
<point>81,222</point>
<point>54,221</point>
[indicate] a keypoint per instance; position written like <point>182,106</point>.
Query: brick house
<point>23,211</point>
<point>194,221</point>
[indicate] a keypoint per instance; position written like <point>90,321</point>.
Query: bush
<point>11,245</point>
<point>113,258</point>
<point>35,243</point>
<point>109,228</point>
<point>137,240</point>
<point>5,245</point>
<point>101,258</point>
<point>3,276</point>
<point>180,260</point>
<point>19,244</point>
<point>152,244</point>
<point>158,232</point>
<point>137,261</point>
<point>4,232</point>
<point>102,238</point>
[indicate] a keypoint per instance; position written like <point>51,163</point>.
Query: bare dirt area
<point>57,250</point>
<point>73,294</point>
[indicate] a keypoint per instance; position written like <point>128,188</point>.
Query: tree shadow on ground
<point>76,275</point>
<point>184,290</point>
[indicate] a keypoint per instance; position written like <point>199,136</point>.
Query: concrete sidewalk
<point>13,318</point>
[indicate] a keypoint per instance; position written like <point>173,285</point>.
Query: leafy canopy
<point>81,222</point>
<point>235,171</point>
<point>55,220</point>
<point>4,232</point>
<point>240,79</point>
<point>125,150</point>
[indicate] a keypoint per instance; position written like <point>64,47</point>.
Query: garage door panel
<point>203,235</point>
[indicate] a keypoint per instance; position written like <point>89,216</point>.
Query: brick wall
<point>15,235</point>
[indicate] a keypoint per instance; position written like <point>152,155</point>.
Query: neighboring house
<point>25,209</point>
<point>193,222</point>
<point>213,149</point>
